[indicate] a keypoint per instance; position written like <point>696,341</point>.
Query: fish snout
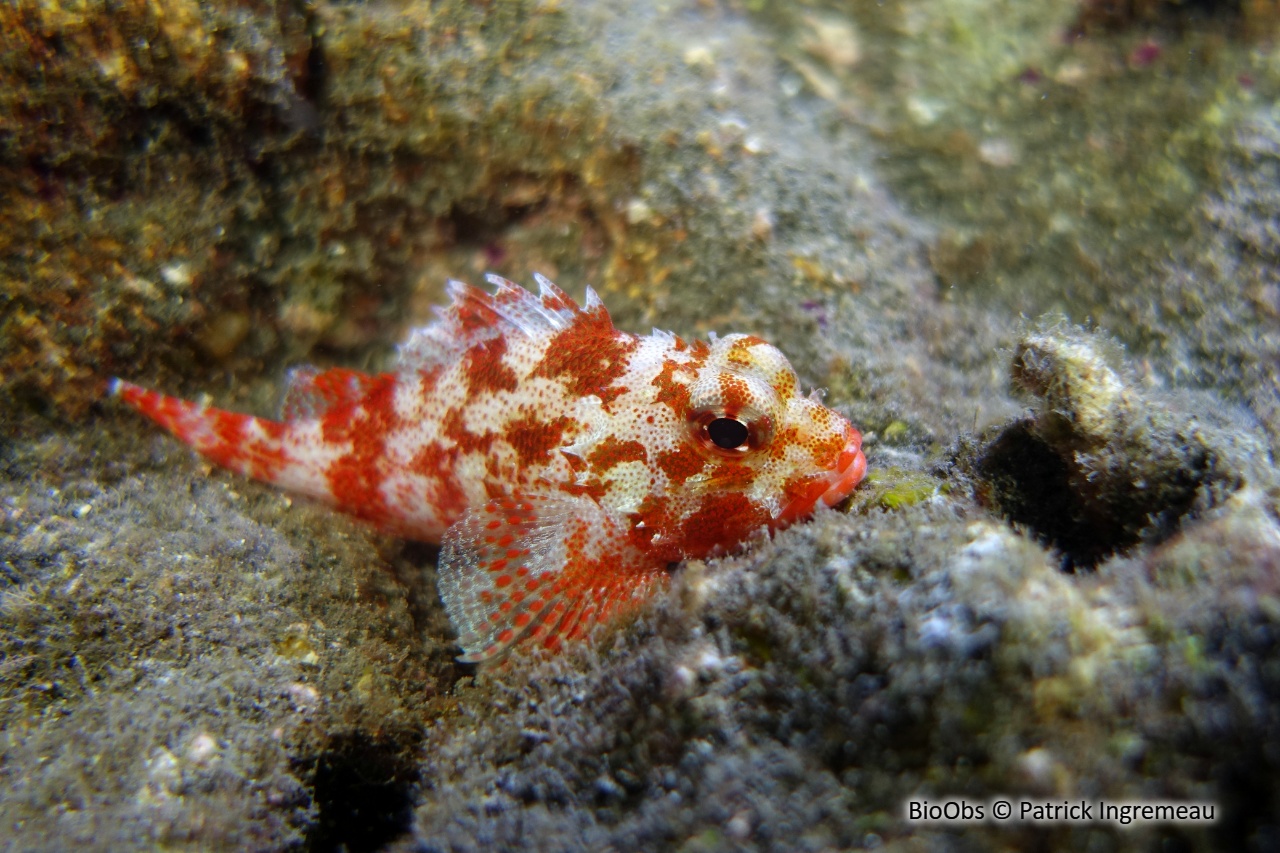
<point>838,483</point>
<point>849,471</point>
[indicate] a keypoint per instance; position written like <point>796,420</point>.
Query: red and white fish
<point>563,464</point>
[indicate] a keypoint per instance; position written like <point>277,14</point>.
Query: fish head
<point>744,450</point>
<point>746,411</point>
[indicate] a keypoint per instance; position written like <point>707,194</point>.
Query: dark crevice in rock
<point>1031,484</point>
<point>364,792</point>
<point>1103,465</point>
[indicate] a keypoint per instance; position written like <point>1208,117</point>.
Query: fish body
<point>562,464</point>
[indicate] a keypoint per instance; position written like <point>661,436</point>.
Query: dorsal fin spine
<point>474,315</point>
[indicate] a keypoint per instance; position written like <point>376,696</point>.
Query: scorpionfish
<point>560,463</point>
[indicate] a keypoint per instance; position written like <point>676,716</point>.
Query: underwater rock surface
<point>1060,581</point>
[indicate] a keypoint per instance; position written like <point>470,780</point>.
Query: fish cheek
<point>720,522</point>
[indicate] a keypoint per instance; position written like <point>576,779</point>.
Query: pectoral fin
<point>545,568</point>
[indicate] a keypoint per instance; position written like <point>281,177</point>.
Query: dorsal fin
<point>475,315</point>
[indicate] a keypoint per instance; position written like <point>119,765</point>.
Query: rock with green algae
<point>1213,311</point>
<point>893,488</point>
<point>1117,176</point>
<point>440,142</point>
<point>131,133</point>
<point>185,663</point>
<point>1105,463</point>
<point>210,665</point>
<point>794,697</point>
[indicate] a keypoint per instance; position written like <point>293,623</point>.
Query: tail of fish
<point>260,448</point>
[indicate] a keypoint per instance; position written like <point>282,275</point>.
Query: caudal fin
<point>243,443</point>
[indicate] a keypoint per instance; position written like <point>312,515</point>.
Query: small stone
<point>739,826</point>
<point>203,750</point>
<point>998,152</point>
<point>177,274</point>
<point>699,56</point>
<point>304,697</point>
<point>1040,770</point>
<point>638,212</point>
<point>832,40</point>
<point>224,333</point>
<point>762,225</point>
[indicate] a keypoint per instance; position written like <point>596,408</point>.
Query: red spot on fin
<point>356,478</point>
<point>544,568</point>
<point>485,369</point>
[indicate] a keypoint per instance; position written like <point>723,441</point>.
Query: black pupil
<point>727,433</point>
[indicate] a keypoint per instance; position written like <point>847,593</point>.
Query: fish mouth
<point>849,470</point>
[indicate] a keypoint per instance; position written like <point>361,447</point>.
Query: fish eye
<point>730,435</point>
<point>727,433</point>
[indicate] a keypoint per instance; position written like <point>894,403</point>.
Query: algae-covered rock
<point>199,196</point>
<point>1105,463</point>
<point>185,664</point>
<point>797,696</point>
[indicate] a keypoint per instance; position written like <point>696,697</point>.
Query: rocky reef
<point>1034,259</point>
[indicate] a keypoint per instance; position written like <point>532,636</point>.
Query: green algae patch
<point>297,644</point>
<point>895,488</point>
<point>1057,158</point>
<point>895,432</point>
